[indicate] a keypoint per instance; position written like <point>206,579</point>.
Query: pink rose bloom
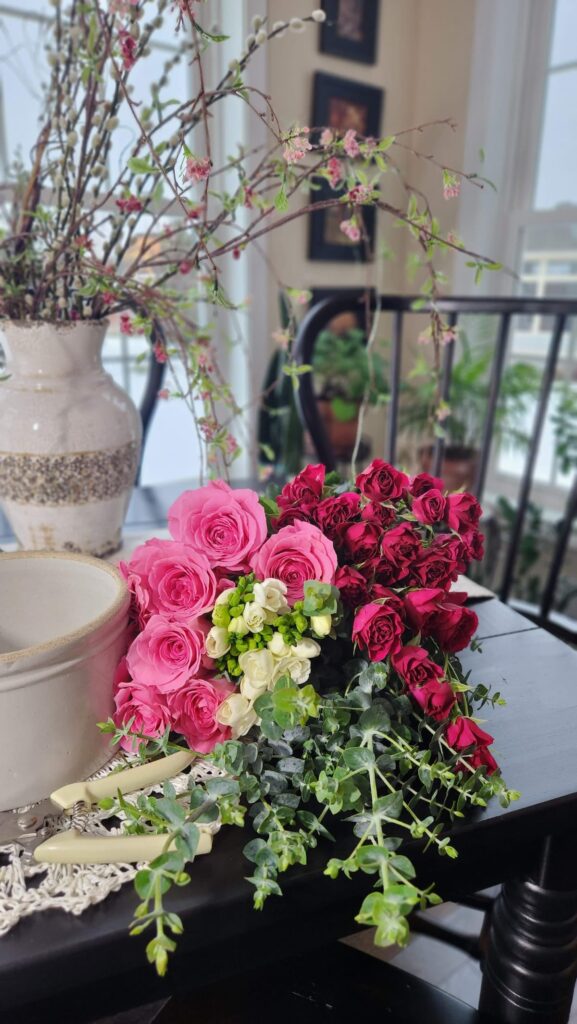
<point>225,526</point>
<point>145,706</point>
<point>169,579</point>
<point>165,654</point>
<point>194,709</point>
<point>294,555</point>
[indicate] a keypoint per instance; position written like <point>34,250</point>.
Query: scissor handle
<point>127,781</point>
<point>74,847</point>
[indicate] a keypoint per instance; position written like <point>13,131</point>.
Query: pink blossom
<point>194,709</point>
<point>165,654</point>
<point>360,194</point>
<point>351,229</point>
<point>225,526</point>
<point>130,204</point>
<point>197,169</point>
<point>159,352</point>
<point>335,172</point>
<point>170,579</point>
<point>425,336</point>
<point>185,267</point>
<point>295,554</point>
<point>448,335</point>
<point>350,144</point>
<point>126,324</point>
<point>128,47</point>
<point>164,393</point>
<point>108,297</point>
<point>296,146</point>
<point>327,137</point>
<point>451,185</point>
<point>143,705</point>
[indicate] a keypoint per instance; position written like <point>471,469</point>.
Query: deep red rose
<point>422,605</point>
<point>472,542</point>
<point>453,626</point>
<point>434,568</point>
<point>430,507</point>
<point>463,512</point>
<point>453,549</point>
<point>380,593</point>
<point>425,680</point>
<point>352,586</point>
<point>387,573</point>
<point>401,545</point>
<point>333,513</point>
<point>464,733</point>
<point>305,489</point>
<point>362,540</point>
<point>423,482</point>
<point>382,482</point>
<point>383,515</point>
<point>288,516</point>
<point>377,629</point>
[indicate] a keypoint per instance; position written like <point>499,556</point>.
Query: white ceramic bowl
<point>63,630</point>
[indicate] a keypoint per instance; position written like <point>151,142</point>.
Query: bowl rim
<point>121,598</point>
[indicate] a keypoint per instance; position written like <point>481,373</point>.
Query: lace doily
<point>27,887</point>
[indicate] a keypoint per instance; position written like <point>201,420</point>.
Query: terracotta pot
<point>458,468</point>
<point>341,434</point>
<point>69,439</point>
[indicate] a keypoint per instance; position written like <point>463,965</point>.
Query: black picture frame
<point>350,30</point>
<point>342,103</point>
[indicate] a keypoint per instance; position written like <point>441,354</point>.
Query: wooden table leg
<point>530,964</point>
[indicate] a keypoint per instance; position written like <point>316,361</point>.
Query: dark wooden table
<point>54,967</point>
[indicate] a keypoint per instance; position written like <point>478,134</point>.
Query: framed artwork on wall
<point>341,104</point>
<point>350,29</point>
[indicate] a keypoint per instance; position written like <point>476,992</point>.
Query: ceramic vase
<point>69,439</point>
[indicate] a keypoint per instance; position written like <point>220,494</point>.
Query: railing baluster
<point>494,388</point>
<point>448,353</point>
<point>559,553</point>
<point>396,357</point>
<point>525,489</point>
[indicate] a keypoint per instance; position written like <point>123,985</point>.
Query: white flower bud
<point>236,712</point>
<point>270,594</point>
<point>71,138</point>
<point>306,648</point>
<point>257,22</point>
<point>319,15</point>
<point>233,65</point>
<point>250,41</point>
<point>279,27</point>
<point>321,624</point>
<point>217,642</point>
<point>297,25</point>
<point>224,595</point>
<point>238,626</point>
<point>278,646</point>
<point>299,669</point>
<point>261,37</point>
<point>258,668</point>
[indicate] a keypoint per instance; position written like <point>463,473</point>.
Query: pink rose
<point>454,626</point>
<point>382,482</point>
<point>422,605</point>
<point>464,733</point>
<point>166,654</point>
<point>378,629</point>
<point>362,540</point>
<point>169,579</point>
<point>294,555</point>
<point>194,709</point>
<point>401,545</point>
<point>225,526</point>
<point>143,705</point>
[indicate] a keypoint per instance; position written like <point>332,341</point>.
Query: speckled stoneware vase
<point>69,439</point>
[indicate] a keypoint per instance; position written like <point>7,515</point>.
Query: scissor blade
<point>16,824</point>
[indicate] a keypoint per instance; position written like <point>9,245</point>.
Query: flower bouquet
<point>308,648</point>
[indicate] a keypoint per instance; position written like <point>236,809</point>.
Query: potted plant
<point>343,372</point>
<point>463,418</point>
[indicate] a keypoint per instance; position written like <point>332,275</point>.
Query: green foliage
<point>564,421</point>
<point>344,370</point>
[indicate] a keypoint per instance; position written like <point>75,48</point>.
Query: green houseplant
<point>344,372</point>
<point>464,414</point>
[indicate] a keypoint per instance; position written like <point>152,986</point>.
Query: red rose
<point>401,545</point>
<point>383,515</point>
<point>382,482</point>
<point>473,545</point>
<point>453,626</point>
<point>362,540</point>
<point>453,549</point>
<point>422,605</point>
<point>305,489</point>
<point>430,507</point>
<point>464,733</point>
<point>333,513</point>
<point>380,593</point>
<point>387,573</point>
<point>288,516</point>
<point>463,512</point>
<point>435,567</point>
<point>425,680</point>
<point>352,586</point>
<point>377,629</point>
<point>422,483</point>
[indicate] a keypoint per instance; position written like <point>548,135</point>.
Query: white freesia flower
<point>238,626</point>
<point>278,646</point>
<point>306,648</point>
<point>258,667</point>
<point>321,624</point>
<point>252,689</point>
<point>255,616</point>
<point>237,713</point>
<point>299,669</point>
<point>224,595</point>
<point>217,642</point>
<point>270,594</point>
